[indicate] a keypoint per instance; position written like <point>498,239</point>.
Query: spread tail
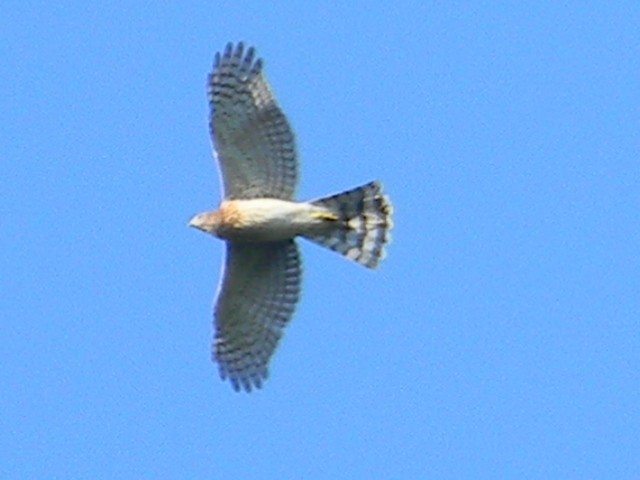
<point>362,219</point>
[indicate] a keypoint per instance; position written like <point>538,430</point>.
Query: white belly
<point>269,219</point>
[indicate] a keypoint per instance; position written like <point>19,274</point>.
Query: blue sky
<point>498,340</point>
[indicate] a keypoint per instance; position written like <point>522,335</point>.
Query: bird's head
<point>207,222</point>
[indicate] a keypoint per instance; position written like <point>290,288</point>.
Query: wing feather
<point>258,295</point>
<point>253,142</point>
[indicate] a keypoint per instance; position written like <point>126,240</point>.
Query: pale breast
<point>266,219</point>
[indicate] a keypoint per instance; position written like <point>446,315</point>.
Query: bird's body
<point>259,218</point>
<point>265,220</point>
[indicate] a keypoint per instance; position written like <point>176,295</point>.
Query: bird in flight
<point>258,218</point>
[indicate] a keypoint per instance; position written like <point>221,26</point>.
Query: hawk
<point>258,218</point>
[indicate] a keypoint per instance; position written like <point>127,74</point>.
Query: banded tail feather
<point>363,224</point>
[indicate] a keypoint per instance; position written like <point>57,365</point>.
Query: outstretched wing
<point>253,141</point>
<point>257,297</point>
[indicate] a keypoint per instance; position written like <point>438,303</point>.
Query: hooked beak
<point>195,222</point>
